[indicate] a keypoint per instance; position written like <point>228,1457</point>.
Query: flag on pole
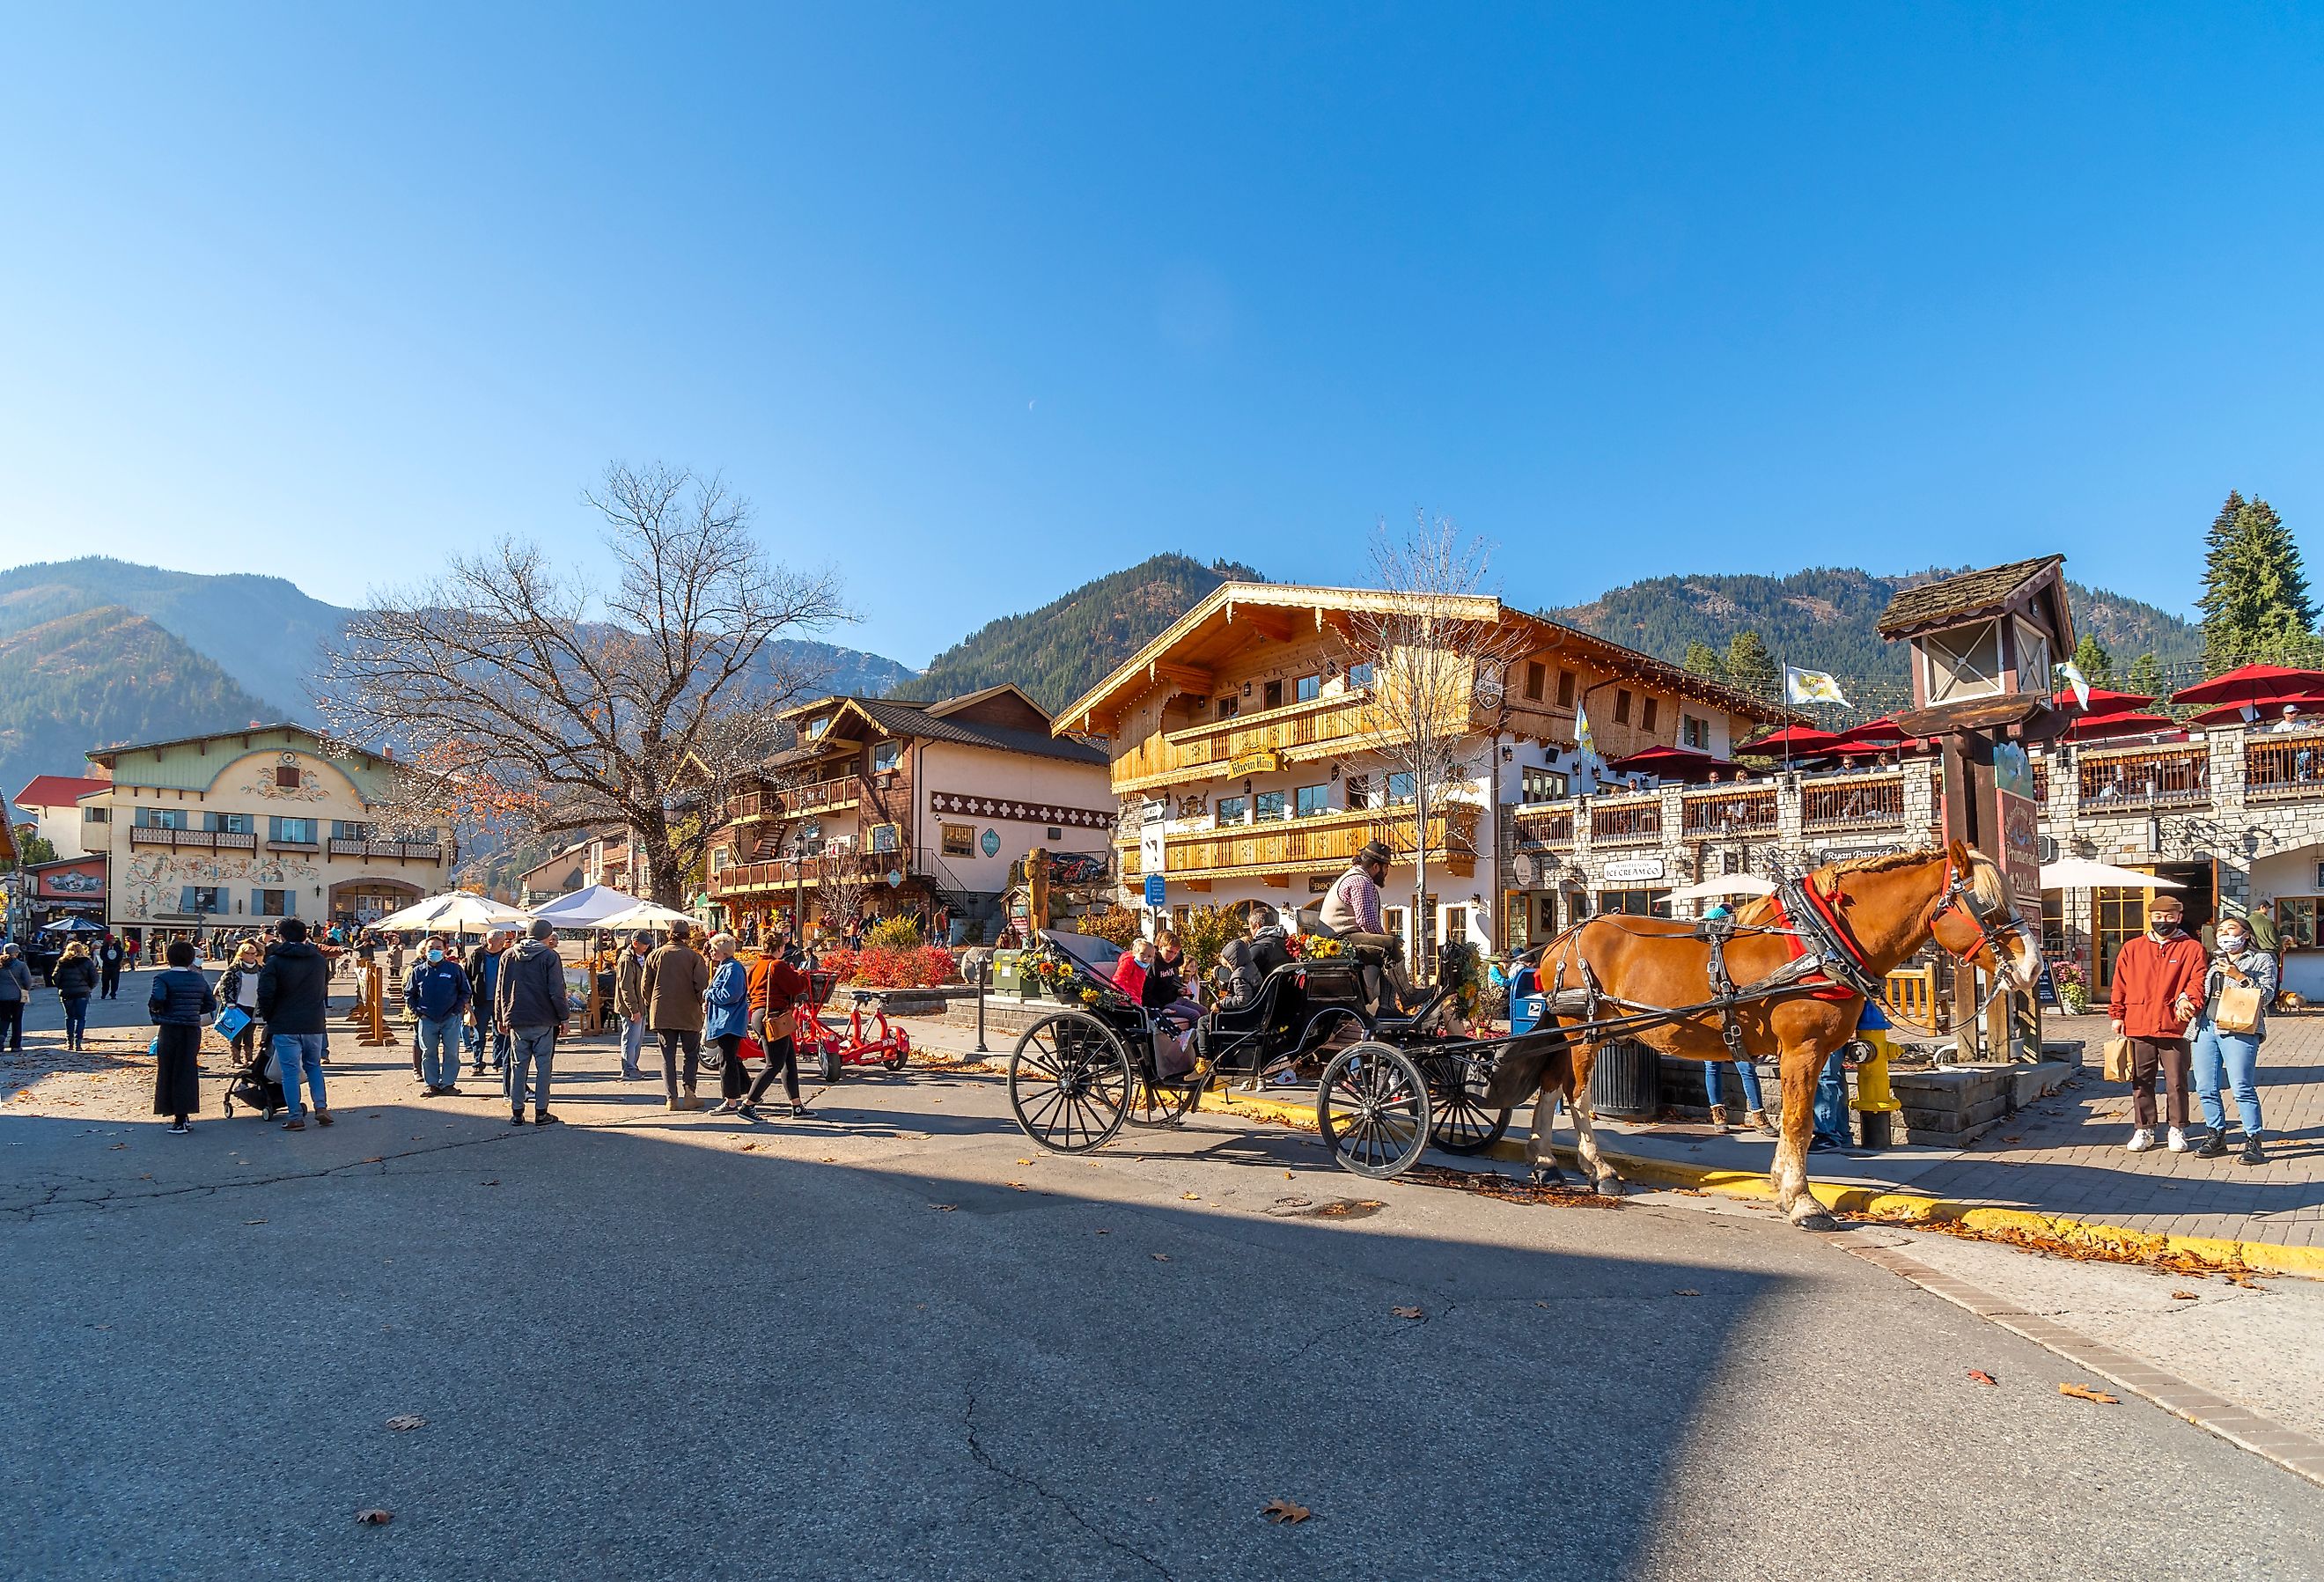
<point>2078,681</point>
<point>1585,748</point>
<point>1811,687</point>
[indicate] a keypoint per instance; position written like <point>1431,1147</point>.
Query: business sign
<point>2020,823</point>
<point>1154,889</point>
<point>1266,761</point>
<point>989,841</point>
<point>76,878</point>
<point>1634,870</point>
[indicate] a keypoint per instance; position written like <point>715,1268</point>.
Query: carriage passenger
<point>1164,989</point>
<point>1130,972</point>
<point>1247,961</point>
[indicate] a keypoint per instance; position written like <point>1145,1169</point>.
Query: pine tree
<point>2255,600</point>
<point>2091,658</point>
<point>1702,660</point>
<point>1749,665</point>
<point>2146,675</point>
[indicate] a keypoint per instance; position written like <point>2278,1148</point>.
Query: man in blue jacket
<point>437,994</point>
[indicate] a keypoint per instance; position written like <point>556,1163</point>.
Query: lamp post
<point>799,885</point>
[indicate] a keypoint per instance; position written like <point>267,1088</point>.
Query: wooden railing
<point>1214,746</point>
<point>425,851</point>
<point>205,840</point>
<point>793,800</point>
<point>1871,802</point>
<point>2278,767</point>
<point>1323,839</point>
<point>814,870</point>
<point>1714,814</point>
<point>2145,777</point>
<point>1551,825</point>
<point>1631,820</point>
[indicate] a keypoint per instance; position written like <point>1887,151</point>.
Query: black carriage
<point>1391,1084</point>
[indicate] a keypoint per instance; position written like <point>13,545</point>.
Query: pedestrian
<point>396,957</point>
<point>437,994</point>
<point>179,1003</point>
<point>2231,1055</point>
<point>16,989</point>
<point>129,948</point>
<point>675,976</point>
<point>532,1009</point>
<point>2157,977</point>
<point>239,988</point>
<point>630,1002</point>
<point>76,979</point>
<point>776,987</point>
<point>726,1020</point>
<point>294,988</point>
<point>483,977</point>
<point>109,959</point>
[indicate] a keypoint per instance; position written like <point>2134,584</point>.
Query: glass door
<point>2121,917</point>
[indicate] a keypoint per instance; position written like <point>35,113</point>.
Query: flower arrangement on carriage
<point>1312,946</point>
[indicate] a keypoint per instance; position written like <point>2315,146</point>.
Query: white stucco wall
<point>1018,778</point>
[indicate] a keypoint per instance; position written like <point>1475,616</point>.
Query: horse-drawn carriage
<point>1784,979</point>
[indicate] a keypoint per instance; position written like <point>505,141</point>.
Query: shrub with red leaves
<point>882,967</point>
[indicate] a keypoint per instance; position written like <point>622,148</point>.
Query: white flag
<point>1811,687</point>
<point>2078,681</point>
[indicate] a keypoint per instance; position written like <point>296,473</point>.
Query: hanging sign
<point>1265,760</point>
<point>2020,823</point>
<point>1634,870</point>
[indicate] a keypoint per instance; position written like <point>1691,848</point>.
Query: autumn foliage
<point>888,966</point>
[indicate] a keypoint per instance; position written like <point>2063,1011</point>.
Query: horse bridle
<point>1993,922</point>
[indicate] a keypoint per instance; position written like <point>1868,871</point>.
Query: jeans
<point>1831,1104</point>
<point>473,1037</point>
<point>733,1081</point>
<point>300,1054</point>
<point>633,1043</point>
<point>2235,1056</point>
<point>109,984</point>
<point>1745,1071</point>
<point>12,1024</point>
<point>535,1053</point>
<point>440,1052</point>
<point>75,1018</point>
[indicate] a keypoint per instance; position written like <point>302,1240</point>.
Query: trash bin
<point>1626,1083</point>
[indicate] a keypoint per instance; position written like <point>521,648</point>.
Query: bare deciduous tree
<point>540,702</point>
<point>1440,653</point>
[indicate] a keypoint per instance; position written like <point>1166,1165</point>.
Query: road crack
<point>984,1458</point>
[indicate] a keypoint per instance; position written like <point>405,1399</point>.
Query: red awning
<point>2253,684</point>
<point>1883,730</point>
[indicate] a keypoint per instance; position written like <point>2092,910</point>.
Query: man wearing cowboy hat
<point>1352,910</point>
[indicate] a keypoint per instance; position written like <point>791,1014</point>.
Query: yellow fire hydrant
<point>1875,1102</point>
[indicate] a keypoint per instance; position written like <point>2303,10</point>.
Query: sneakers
<point>799,1111</point>
<point>516,1117</point>
<point>747,1110</point>
<point>543,1118</point>
<point>2141,1140</point>
<point>326,1118</point>
<point>2178,1141</point>
<point>2215,1146</point>
<point>177,1128</point>
<point>2250,1154</point>
<point>294,1125</point>
<point>729,1107</point>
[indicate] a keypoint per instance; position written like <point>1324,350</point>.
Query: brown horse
<point>1885,908</point>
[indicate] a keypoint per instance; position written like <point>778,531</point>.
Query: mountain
<point>825,667</point>
<point>1826,619</point>
<point>1065,647</point>
<point>101,676</point>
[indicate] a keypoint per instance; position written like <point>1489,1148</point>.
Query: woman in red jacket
<point>2158,986</point>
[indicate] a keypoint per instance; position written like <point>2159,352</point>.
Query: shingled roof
<point>1972,596</point>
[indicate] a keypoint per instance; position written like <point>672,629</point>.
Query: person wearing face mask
<point>2220,1055</point>
<point>437,994</point>
<point>2158,979</point>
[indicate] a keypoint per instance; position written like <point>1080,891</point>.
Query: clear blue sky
<point>980,300</point>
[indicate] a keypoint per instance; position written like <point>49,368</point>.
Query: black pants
<point>12,1024</point>
<point>246,1040</point>
<point>111,987</point>
<point>672,1039</point>
<point>782,1060</point>
<point>733,1080</point>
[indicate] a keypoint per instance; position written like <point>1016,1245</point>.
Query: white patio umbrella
<point>645,914</point>
<point>460,911</point>
<point>586,908</point>
<point>1732,884</point>
<point>2081,873</point>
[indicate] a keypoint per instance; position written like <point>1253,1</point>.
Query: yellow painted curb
<point>1871,1203</point>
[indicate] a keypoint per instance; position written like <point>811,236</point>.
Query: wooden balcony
<point>200,839</point>
<point>1297,731</point>
<point>793,801</point>
<point>2175,776</point>
<point>1545,823</point>
<point>1324,841</point>
<point>1870,801</point>
<point>1717,815</point>
<point>1626,820</point>
<point>2281,767</point>
<point>415,851</point>
<point>806,873</point>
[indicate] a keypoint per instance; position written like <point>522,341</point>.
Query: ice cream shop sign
<point>75,879</point>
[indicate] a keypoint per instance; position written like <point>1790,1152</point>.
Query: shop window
<point>1314,800</point>
<point>959,839</point>
<point>1565,689</point>
<point>2295,920</point>
<point>1634,902</point>
<point>1545,785</point>
<point>1457,923</point>
<point>2053,925</point>
<point>1544,917</point>
<point>1271,695</point>
<point>1536,679</point>
<point>1307,688</point>
<point>1646,719</point>
<point>1268,806</point>
<point>1621,706</point>
<point>1233,809</point>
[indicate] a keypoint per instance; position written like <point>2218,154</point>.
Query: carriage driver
<point>1352,910</point>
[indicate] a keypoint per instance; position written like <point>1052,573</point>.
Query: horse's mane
<point>1984,877</point>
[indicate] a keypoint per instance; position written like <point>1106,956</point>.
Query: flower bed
<point>887,967</point>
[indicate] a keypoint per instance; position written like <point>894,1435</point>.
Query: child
<point>179,1001</point>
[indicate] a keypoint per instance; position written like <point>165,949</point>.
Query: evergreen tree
<point>1702,660</point>
<point>2091,658</point>
<point>2255,600</point>
<point>2146,674</point>
<point>1749,665</point>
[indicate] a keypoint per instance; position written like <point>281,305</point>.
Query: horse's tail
<point>1541,1058</point>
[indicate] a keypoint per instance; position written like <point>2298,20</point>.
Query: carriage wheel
<point>1464,1124</point>
<point>1373,1108</point>
<point>1069,1082</point>
<point>1153,1104</point>
<point>713,1058</point>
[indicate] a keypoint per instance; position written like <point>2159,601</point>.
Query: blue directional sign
<point>1153,889</point>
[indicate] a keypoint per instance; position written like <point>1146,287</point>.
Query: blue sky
<point>978,302</point>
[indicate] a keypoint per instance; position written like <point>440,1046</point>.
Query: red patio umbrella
<point>2092,726</point>
<point>1883,730</point>
<point>1794,741</point>
<point>1671,763</point>
<point>2102,701</point>
<point>2253,684</point>
<point>2267,713</point>
<point>1875,749</point>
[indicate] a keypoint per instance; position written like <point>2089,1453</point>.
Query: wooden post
<point>1037,886</point>
<point>1960,823</point>
<point>375,1034</point>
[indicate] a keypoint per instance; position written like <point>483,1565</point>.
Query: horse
<point>1877,911</point>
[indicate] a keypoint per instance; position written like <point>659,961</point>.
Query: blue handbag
<point>231,1021</point>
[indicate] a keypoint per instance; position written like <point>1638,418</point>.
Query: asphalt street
<point>900,1342</point>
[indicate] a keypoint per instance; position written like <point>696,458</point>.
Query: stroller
<point>257,1082</point>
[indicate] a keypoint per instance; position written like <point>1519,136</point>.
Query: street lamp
<point>798,886</point>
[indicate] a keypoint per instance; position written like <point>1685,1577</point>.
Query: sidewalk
<point>2058,1170</point>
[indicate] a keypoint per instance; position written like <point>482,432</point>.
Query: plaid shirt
<point>1353,906</point>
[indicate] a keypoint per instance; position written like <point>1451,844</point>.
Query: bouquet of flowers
<point>1312,947</point>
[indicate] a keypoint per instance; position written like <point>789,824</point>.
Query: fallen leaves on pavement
<point>1980,1377</point>
<point>2084,1393</point>
<point>406,1423</point>
<point>2184,1296</point>
<point>2088,1247</point>
<point>1280,1511</point>
<point>374,1518</point>
<point>1686,1291</point>
<point>1505,1188</point>
<point>1408,1312</point>
<point>943,1207</point>
<point>1159,1257</point>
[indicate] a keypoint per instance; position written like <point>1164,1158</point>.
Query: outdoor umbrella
<point>2081,873</point>
<point>71,925</point>
<point>1884,730</point>
<point>2092,726</point>
<point>1794,741</point>
<point>2253,684</point>
<point>460,911</point>
<point>2264,713</point>
<point>586,908</point>
<point>1671,763</point>
<point>645,914</point>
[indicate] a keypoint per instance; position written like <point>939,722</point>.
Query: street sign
<point>1154,889</point>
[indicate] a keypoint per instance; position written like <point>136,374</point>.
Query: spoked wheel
<point>1069,1082</point>
<point>1373,1108</point>
<point>827,1057</point>
<point>1462,1122</point>
<point>1153,1104</point>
